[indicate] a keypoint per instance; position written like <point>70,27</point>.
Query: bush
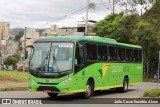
<point>152,93</point>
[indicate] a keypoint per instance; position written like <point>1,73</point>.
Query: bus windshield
<point>52,57</point>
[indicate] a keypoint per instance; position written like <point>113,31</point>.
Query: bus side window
<point>112,53</point>
<point>91,51</point>
<point>135,55</point>
<point>78,60</point>
<point>129,55</point>
<point>121,54</point>
<point>140,56</point>
<point>102,52</point>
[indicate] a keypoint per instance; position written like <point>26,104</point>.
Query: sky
<point>44,13</point>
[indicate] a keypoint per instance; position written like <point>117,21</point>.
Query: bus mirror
<point>26,54</point>
<point>29,46</point>
<point>80,45</point>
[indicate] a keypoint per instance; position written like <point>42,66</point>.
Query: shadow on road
<point>76,99</point>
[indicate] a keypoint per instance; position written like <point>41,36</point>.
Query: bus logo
<point>104,69</point>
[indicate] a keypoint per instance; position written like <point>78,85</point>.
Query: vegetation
<point>147,79</point>
<point>152,93</point>
<point>13,76</point>
<point>18,36</point>
<point>135,29</point>
<point>11,60</point>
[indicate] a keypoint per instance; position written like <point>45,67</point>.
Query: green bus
<point>83,64</point>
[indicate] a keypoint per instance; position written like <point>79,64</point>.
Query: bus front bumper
<point>59,88</point>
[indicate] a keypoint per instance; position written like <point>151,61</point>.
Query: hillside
<point>15,31</point>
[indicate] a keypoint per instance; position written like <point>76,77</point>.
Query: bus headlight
<point>66,80</point>
<point>31,80</point>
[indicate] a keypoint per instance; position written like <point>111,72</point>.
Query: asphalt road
<point>133,92</point>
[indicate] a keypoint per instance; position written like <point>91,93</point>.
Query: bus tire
<point>53,95</point>
<point>125,86</point>
<point>89,90</point>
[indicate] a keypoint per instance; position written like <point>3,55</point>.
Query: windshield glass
<point>61,57</point>
<point>40,56</point>
<point>52,57</point>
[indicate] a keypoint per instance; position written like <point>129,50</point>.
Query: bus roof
<point>95,39</point>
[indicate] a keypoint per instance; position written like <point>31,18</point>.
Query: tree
<point>18,36</point>
<point>117,26</point>
<point>146,37</point>
<point>131,5</point>
<point>11,60</point>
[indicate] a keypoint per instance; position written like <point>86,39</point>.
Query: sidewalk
<point>13,86</point>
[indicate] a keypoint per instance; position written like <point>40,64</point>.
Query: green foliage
<point>152,93</point>
<point>146,36</point>
<point>40,31</point>
<point>11,60</point>
<point>130,6</point>
<point>142,30</point>
<point>18,36</point>
<point>145,33</point>
<point>147,79</point>
<point>117,26</point>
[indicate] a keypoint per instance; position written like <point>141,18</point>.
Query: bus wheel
<point>53,95</point>
<point>89,90</point>
<point>125,86</point>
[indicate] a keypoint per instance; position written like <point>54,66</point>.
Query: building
<point>5,30</point>
<point>72,31</point>
<point>30,32</point>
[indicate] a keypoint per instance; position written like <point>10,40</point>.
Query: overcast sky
<point>43,13</point>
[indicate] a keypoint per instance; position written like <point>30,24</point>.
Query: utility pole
<point>86,26</point>
<point>113,6</point>
<point>24,50</point>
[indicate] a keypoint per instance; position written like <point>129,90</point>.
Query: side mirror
<point>26,52</point>
<point>29,46</point>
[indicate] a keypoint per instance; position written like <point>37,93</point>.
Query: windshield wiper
<point>41,66</point>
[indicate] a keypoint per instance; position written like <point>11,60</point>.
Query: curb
<point>13,88</point>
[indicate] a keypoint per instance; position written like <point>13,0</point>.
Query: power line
<point>60,18</point>
<point>104,5</point>
<point>73,13</point>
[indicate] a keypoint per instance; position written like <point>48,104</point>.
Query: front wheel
<point>53,95</point>
<point>89,90</point>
